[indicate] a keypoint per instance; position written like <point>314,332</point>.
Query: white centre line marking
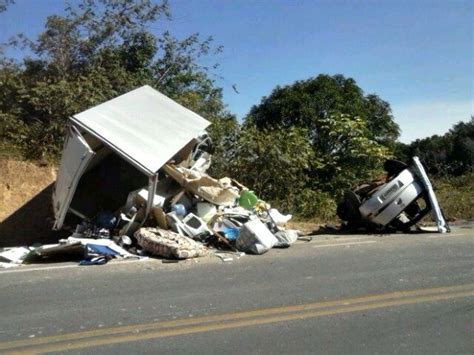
<point>343,244</point>
<point>447,235</point>
<point>59,267</point>
<point>336,239</point>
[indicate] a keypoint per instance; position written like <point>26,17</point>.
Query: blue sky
<point>417,55</point>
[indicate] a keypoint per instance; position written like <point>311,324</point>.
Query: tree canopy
<point>449,154</point>
<point>306,102</point>
<point>97,50</point>
<point>348,133</point>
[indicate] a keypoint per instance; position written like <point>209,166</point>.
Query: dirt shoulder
<point>21,180</point>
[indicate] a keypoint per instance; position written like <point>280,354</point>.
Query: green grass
<point>8,151</point>
<point>456,196</point>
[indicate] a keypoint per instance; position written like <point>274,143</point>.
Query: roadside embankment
<point>20,181</point>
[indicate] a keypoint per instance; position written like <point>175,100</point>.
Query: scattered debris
<point>219,192</point>
<point>227,256</point>
<point>254,237</point>
<point>15,255</point>
<point>97,260</point>
<point>8,265</point>
<point>62,249</point>
<point>128,190</point>
<point>279,218</point>
<point>286,238</point>
<point>168,244</point>
<point>224,258</point>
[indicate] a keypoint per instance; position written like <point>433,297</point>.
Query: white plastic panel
<point>435,209</point>
<point>75,158</point>
<point>143,126</point>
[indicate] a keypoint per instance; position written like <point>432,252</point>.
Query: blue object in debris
<point>230,233</point>
<point>101,249</point>
<point>179,209</point>
<point>98,260</point>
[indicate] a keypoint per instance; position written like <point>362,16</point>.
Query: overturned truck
<point>118,147</point>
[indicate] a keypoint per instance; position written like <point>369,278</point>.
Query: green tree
<point>306,102</point>
<point>350,134</point>
<point>449,154</point>
<point>433,152</point>
<point>97,50</point>
<point>282,166</point>
<point>272,162</point>
<point>462,153</point>
<point>344,153</point>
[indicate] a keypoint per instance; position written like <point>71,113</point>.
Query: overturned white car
<point>396,203</point>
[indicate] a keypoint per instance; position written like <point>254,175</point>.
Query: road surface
<point>336,294</point>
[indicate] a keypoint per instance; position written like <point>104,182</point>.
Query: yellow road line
<point>242,323</point>
<point>235,320</point>
<point>239,315</point>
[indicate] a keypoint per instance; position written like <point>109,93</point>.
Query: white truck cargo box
<point>143,127</point>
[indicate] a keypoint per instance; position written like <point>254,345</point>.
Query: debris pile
<point>102,199</point>
<point>88,251</point>
<point>193,213</point>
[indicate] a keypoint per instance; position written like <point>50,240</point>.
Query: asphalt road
<point>335,294</point>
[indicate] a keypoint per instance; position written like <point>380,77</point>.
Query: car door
<point>75,158</point>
